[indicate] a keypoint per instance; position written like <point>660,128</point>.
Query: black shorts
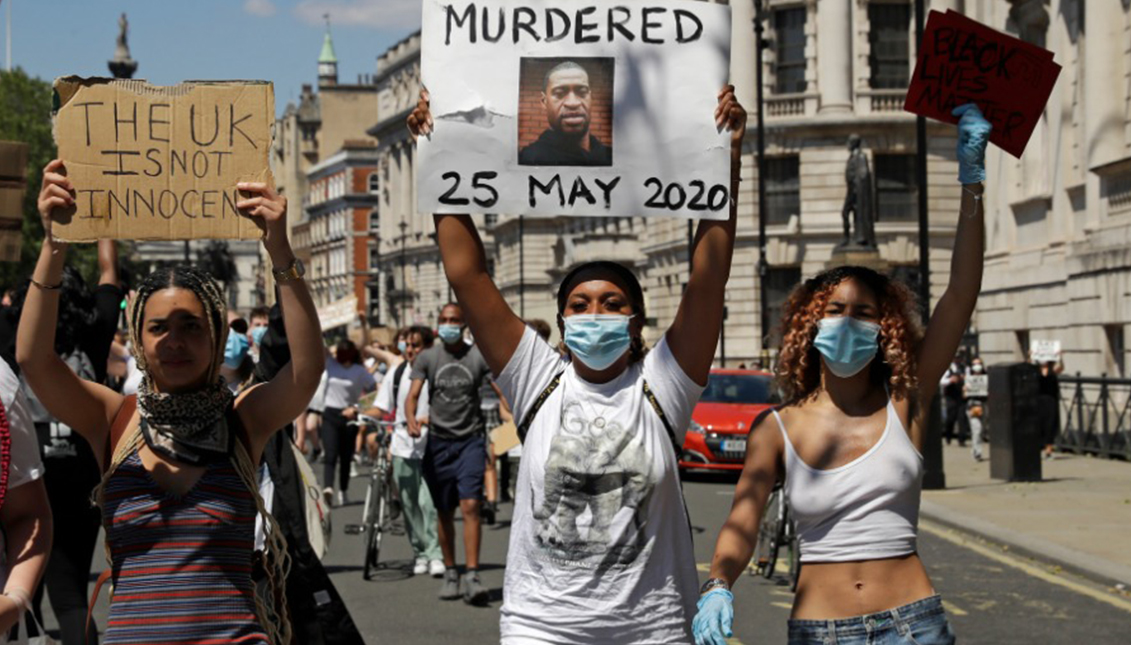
<point>454,468</point>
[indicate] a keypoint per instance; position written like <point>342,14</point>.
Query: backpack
<point>397,374</point>
<point>318,525</point>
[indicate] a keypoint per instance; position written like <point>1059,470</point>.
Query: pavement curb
<point>1094,568</point>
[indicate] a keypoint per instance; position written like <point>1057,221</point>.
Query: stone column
<point>834,55</point>
<point>742,52</point>
<point>1103,71</point>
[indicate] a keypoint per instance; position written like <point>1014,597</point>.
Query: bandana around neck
<point>192,427</point>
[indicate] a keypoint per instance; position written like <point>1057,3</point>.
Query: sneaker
<point>343,498</point>
<point>353,471</point>
<point>328,496</point>
<point>420,567</point>
<point>488,512</point>
<point>450,589</point>
<point>474,593</point>
<point>436,568</point>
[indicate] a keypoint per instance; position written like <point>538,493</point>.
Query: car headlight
<point>696,428</point>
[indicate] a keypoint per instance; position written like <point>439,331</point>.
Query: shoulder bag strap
<point>118,429</point>
<point>663,419</point>
<point>398,374</point>
<point>529,418</point>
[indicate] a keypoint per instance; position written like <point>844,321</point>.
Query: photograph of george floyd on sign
<point>565,112</point>
<point>575,108</point>
<point>161,163</point>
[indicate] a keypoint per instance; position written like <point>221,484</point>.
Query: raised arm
<point>694,333</point>
<point>26,519</point>
<point>84,406</point>
<point>952,315</point>
<point>108,263</point>
<point>496,328</point>
<point>267,407</point>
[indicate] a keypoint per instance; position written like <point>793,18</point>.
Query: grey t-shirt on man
<point>453,390</point>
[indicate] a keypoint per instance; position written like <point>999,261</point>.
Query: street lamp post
<point>933,476</point>
<point>521,267</point>
<point>763,266</point>
<point>404,282</point>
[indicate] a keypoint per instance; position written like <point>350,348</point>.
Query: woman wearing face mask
<point>345,380</point>
<point>856,372</point>
<point>600,548</point>
<point>179,492</point>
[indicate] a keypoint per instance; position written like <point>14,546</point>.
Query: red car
<point>720,422</point>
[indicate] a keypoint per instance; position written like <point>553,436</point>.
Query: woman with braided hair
<point>179,493</point>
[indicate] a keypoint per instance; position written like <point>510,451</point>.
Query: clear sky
<point>176,40</point>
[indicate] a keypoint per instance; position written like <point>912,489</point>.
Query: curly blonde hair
<point>799,363</point>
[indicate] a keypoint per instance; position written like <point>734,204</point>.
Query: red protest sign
<point>963,61</point>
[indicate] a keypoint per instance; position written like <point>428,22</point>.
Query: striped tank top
<point>182,564</point>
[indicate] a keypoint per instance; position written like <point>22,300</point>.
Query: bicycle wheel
<point>766,547</point>
<point>372,527</point>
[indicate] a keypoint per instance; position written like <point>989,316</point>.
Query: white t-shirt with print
<point>600,548</point>
<point>25,465</point>
<point>404,445</point>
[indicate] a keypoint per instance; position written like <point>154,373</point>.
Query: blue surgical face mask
<point>848,345</point>
<point>402,346</point>
<point>235,350</point>
<point>257,334</point>
<point>450,333</point>
<point>597,340</point>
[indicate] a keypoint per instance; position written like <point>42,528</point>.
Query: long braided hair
<point>272,612</point>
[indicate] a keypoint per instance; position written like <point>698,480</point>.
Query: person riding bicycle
<point>420,517</point>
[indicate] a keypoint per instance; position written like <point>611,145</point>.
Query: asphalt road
<point>992,597</point>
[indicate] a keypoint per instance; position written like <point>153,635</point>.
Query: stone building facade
<point>341,197</point>
<point>324,123</point>
<point>1059,219</point>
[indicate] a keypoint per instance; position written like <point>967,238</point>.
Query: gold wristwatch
<point>293,272</point>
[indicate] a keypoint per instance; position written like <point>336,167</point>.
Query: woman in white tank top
<point>856,371</point>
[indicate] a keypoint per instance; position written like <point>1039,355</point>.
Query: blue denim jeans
<point>922,622</point>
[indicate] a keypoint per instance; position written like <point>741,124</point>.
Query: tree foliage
<point>25,115</point>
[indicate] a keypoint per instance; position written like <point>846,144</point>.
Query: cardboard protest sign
<point>978,385</point>
<point>1044,351</point>
<point>962,61</point>
<point>161,163</point>
<point>575,108</point>
<point>338,313</point>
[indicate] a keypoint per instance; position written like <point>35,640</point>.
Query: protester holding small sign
<point>600,547</point>
<point>180,459</point>
<point>857,375</point>
<point>976,391</point>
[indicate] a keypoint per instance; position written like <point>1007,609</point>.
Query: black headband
<point>619,271</point>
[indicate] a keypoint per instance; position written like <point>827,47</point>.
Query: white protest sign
<point>978,385</point>
<point>1044,351</point>
<point>338,313</point>
<point>575,108</point>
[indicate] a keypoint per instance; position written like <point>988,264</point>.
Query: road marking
<point>733,641</point>
<point>783,605</point>
<point>952,608</point>
<point>704,567</point>
<point>1034,571</point>
<point>779,592</point>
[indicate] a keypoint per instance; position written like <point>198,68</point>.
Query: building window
<point>783,189</point>
<point>1117,350</point>
<point>780,282</point>
<point>374,221</point>
<point>897,193</point>
<point>490,219</point>
<point>789,50</point>
<point>1022,344</point>
<point>374,183</point>
<point>890,45</point>
<point>374,259</point>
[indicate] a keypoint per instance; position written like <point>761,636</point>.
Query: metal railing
<point>1096,416</point>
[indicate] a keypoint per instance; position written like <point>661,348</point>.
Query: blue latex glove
<point>712,624</point>
<point>973,135</point>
